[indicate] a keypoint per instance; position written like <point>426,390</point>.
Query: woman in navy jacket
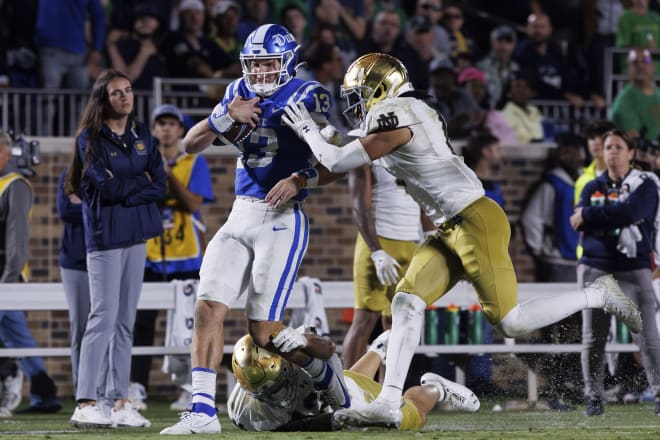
<point>617,216</point>
<point>117,170</point>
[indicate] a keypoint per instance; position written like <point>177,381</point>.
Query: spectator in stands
<point>474,82</point>
<point>616,214</point>
<point>552,242</point>
<point>192,55</point>
<point>118,171</point>
<point>348,20</point>
<point>18,57</point>
<point>455,105</point>
<point>226,16</point>
<point>498,65</point>
<point>639,27</point>
<point>294,19</point>
<point>433,10</point>
<point>525,118</point>
<point>593,132</point>
<point>16,198</point>
<point>60,39</point>
<point>136,54</point>
<point>460,43</point>
<point>122,12</point>
<point>177,253</point>
<point>550,71</point>
<point>73,269</point>
<point>419,37</point>
<point>636,108</point>
<point>255,13</point>
<point>388,222</point>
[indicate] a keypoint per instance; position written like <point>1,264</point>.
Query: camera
<point>24,154</point>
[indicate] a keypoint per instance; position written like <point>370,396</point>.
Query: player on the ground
<point>258,250</point>
<point>273,394</point>
<point>473,237</point>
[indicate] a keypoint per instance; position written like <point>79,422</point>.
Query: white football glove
<point>331,135</point>
<point>387,268</point>
<point>289,339</point>
<point>298,119</point>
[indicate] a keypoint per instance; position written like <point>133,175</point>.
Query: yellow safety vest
<point>5,181</point>
<point>180,234</point>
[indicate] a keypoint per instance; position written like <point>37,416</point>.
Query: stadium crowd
<point>480,65</point>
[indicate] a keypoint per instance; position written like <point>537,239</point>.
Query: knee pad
<point>407,306</point>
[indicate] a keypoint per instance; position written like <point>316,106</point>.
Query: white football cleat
<point>194,423</point>
<point>90,416</point>
<point>455,395</point>
<point>376,413</point>
<point>617,303</point>
<point>336,393</point>
<point>128,416</point>
<point>12,390</point>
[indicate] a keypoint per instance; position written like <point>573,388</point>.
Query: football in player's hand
<point>237,132</point>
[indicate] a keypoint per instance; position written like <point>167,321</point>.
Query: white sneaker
<point>379,345</point>
<point>194,423</point>
<point>455,395</point>
<point>12,391</point>
<point>128,416</point>
<point>617,303</point>
<point>137,396</point>
<point>376,413</point>
<point>90,416</point>
<point>183,403</point>
<point>336,393</point>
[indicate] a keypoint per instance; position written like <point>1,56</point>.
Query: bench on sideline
<point>336,294</point>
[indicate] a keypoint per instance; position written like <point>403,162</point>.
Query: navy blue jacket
<point>72,246</point>
<point>119,200</point>
<point>602,224</point>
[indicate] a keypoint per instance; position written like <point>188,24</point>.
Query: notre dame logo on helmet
<point>389,120</point>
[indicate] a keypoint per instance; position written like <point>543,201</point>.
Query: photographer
<point>15,206</point>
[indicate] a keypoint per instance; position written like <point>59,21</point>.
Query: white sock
<point>203,390</point>
<point>541,312</point>
<point>407,320</point>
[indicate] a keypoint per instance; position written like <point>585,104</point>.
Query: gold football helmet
<point>369,80</point>
<point>261,373</point>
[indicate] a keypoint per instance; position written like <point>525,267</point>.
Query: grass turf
<point>619,422</point>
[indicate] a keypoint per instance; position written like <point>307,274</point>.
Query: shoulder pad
<point>390,114</point>
<point>316,98</point>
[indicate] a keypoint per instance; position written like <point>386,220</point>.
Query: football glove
<point>289,339</point>
<point>387,268</point>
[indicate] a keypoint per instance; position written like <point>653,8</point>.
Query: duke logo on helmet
<point>269,42</point>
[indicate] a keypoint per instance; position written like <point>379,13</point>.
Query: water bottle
<point>622,332</point>
<point>452,325</point>
<point>475,335</point>
<point>431,326</point>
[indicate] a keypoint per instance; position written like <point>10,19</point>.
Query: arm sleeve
<point>68,212</point>
<point>17,239</point>
<point>537,215</point>
<point>638,206</point>
<point>155,190</point>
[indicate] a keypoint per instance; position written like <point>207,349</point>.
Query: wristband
<point>219,120</point>
<point>310,177</point>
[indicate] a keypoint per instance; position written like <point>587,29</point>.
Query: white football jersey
<point>396,214</point>
<point>434,176</point>
<point>269,412</point>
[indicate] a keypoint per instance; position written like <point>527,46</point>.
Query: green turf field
<point>619,422</point>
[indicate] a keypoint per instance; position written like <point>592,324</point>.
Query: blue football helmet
<point>268,42</point>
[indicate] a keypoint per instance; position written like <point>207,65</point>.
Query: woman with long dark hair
<point>117,170</point>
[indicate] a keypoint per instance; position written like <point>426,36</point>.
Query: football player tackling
<point>274,395</point>
<point>473,232</point>
<point>258,250</point>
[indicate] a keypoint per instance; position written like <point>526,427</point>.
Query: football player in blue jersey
<point>258,250</point>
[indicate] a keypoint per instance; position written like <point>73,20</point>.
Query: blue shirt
<point>273,151</point>
<point>61,24</point>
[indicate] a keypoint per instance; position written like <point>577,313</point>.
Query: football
<point>237,132</point>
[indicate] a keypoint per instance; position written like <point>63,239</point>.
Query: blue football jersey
<point>273,151</point>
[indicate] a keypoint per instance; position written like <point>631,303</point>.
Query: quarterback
<point>472,240</point>
<point>272,394</point>
<point>258,250</point>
